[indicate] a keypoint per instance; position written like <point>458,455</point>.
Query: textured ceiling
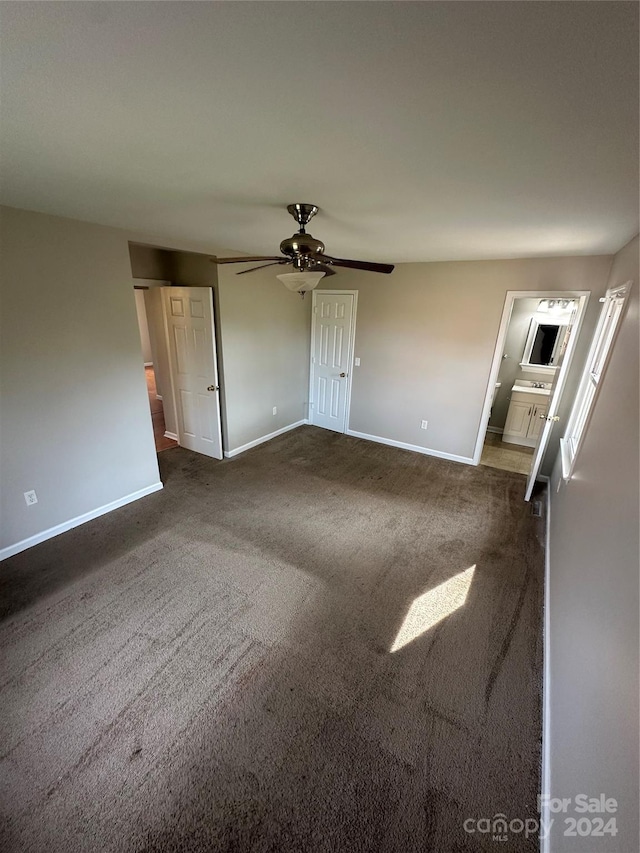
<point>424,131</point>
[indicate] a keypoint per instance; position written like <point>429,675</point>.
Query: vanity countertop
<point>529,389</point>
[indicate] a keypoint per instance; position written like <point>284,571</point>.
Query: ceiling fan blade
<point>262,266</point>
<point>246,260</point>
<point>325,268</point>
<point>360,265</point>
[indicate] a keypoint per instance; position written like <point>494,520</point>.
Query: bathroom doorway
<point>161,439</point>
<point>534,348</point>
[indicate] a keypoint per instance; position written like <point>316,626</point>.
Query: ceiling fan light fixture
<point>302,281</point>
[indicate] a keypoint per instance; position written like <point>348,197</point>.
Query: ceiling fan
<point>305,255</point>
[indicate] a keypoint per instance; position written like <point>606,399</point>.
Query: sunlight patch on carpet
<point>432,607</point>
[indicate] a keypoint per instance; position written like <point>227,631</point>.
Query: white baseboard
<point>148,364</point>
<point>159,397</point>
<point>496,430</point>
<point>9,551</point>
<point>545,782</point>
<point>416,448</point>
<point>229,454</point>
<point>171,435</point>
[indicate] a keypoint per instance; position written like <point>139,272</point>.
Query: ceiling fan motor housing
<point>301,245</point>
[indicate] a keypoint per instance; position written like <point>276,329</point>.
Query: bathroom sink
<point>529,389</point>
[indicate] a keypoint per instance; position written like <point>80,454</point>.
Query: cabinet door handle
<point>529,411</point>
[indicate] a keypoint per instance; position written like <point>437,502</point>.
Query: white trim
<point>547,370</point>
<point>496,430</point>
<point>569,453</point>
<point>545,780</point>
<point>352,343</point>
<point>10,550</point>
<point>148,364</point>
<point>416,448</point>
<point>159,397</point>
<point>171,435</point>
<point>229,454</point>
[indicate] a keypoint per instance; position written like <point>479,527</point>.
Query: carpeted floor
<point>210,668</point>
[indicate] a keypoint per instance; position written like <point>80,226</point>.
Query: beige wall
<point>265,331</point>
<point>143,326</point>
<point>426,336</point>
<point>74,418</point>
<point>149,262</point>
<point>593,598</point>
<point>263,346</point>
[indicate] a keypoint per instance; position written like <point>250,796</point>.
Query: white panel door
<point>194,371</point>
<point>333,331</point>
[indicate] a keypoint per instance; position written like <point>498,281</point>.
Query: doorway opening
<point>534,349</point>
<point>156,405</point>
<point>178,294</point>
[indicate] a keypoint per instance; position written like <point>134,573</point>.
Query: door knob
<point>343,375</point>
<point>213,388</point>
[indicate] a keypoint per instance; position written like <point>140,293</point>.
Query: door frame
<point>511,295</point>
<point>350,357</point>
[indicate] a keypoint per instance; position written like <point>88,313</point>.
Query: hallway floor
<point>157,413</point>
<point>507,457</point>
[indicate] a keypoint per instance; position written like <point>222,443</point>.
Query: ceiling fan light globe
<point>300,282</point>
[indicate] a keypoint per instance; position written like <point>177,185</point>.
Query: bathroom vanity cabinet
<point>525,418</point>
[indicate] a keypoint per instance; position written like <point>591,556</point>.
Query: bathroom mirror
<point>545,344</point>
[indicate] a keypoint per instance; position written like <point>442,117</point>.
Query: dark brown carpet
<point>209,669</point>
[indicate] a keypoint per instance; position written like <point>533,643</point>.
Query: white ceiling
<point>424,131</point>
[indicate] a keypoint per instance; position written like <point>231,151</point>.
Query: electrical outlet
<point>275,410</point>
<point>357,362</point>
<point>424,424</point>
<point>30,498</point>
